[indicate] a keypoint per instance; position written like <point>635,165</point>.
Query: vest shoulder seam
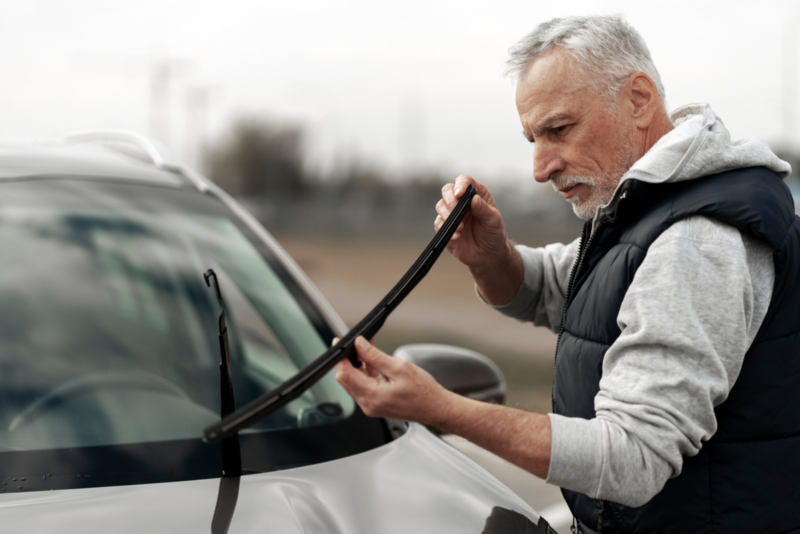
<point>788,235</point>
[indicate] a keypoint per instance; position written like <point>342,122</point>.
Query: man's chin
<point>584,210</point>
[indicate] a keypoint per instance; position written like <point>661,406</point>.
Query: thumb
<point>373,357</point>
<point>484,211</point>
<point>480,209</point>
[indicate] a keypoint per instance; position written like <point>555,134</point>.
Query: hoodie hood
<point>698,146</point>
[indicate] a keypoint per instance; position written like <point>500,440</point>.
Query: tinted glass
<point>108,334</point>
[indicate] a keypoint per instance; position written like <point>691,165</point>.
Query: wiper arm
<point>308,376</point>
<point>231,454</point>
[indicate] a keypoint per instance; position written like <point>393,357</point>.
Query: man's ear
<point>642,98</point>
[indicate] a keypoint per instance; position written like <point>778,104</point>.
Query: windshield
<point>108,333</point>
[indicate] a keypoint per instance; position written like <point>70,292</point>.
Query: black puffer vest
<point>746,478</point>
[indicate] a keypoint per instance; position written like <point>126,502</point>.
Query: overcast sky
<point>408,84</point>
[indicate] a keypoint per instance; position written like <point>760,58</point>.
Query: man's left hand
<point>396,389</point>
<point>390,387</point>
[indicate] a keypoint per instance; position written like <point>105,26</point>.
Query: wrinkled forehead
<point>554,83</point>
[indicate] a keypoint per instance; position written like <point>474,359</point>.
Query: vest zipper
<point>616,519</point>
<point>586,240</point>
<point>585,235</point>
<point>600,518</point>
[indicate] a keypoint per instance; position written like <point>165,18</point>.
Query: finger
<point>461,185</point>
<point>438,222</point>
<point>482,209</point>
<point>341,369</point>
<point>356,383</point>
<point>448,195</point>
<point>334,342</point>
<point>370,371</point>
<point>483,192</point>
<point>442,209</point>
<point>377,360</point>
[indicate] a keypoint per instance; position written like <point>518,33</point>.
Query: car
<point>112,364</point>
<point>794,187</point>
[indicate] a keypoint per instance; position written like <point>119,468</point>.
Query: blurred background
<point>337,123</point>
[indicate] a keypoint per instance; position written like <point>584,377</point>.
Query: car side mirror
<point>460,370</point>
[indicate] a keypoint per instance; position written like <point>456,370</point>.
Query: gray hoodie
<point>687,320</point>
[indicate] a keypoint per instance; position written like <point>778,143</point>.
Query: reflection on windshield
<point>108,332</point>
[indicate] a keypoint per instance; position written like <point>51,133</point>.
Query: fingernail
<point>457,190</point>
<point>362,343</point>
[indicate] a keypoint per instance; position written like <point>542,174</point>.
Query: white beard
<point>601,188</point>
<point>601,192</point>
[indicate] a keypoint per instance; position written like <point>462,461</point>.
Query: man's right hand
<point>480,242</point>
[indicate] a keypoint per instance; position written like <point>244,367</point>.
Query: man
<point>677,381</point>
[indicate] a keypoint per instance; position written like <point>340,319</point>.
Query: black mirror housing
<point>462,371</point>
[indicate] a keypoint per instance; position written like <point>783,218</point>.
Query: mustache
<point>565,182</point>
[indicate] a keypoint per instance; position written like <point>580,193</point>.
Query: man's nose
<point>546,161</point>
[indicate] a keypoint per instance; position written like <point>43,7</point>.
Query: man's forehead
<point>548,88</point>
<point>555,70</point>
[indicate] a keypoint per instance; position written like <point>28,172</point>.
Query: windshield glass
<point>108,333</point>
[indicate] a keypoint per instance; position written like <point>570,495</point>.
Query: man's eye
<point>560,129</point>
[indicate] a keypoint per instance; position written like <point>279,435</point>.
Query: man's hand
<point>481,243</point>
<point>390,387</point>
<point>482,233</point>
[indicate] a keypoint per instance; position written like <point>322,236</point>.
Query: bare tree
<point>261,159</point>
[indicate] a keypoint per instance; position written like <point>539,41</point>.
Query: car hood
<point>417,483</point>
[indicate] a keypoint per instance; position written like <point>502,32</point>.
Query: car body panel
<point>417,483</point>
<point>61,159</point>
<point>794,187</point>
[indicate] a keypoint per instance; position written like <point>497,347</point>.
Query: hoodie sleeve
<point>540,298</point>
<point>687,320</point>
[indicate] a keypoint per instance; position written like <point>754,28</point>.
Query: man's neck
<point>658,128</point>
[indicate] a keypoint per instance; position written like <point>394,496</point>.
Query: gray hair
<point>607,48</point>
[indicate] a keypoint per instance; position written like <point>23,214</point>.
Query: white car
<point>110,369</point>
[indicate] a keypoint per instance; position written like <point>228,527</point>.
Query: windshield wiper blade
<point>231,453</point>
<point>309,375</point>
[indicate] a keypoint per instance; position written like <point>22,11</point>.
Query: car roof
<point>102,161</point>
